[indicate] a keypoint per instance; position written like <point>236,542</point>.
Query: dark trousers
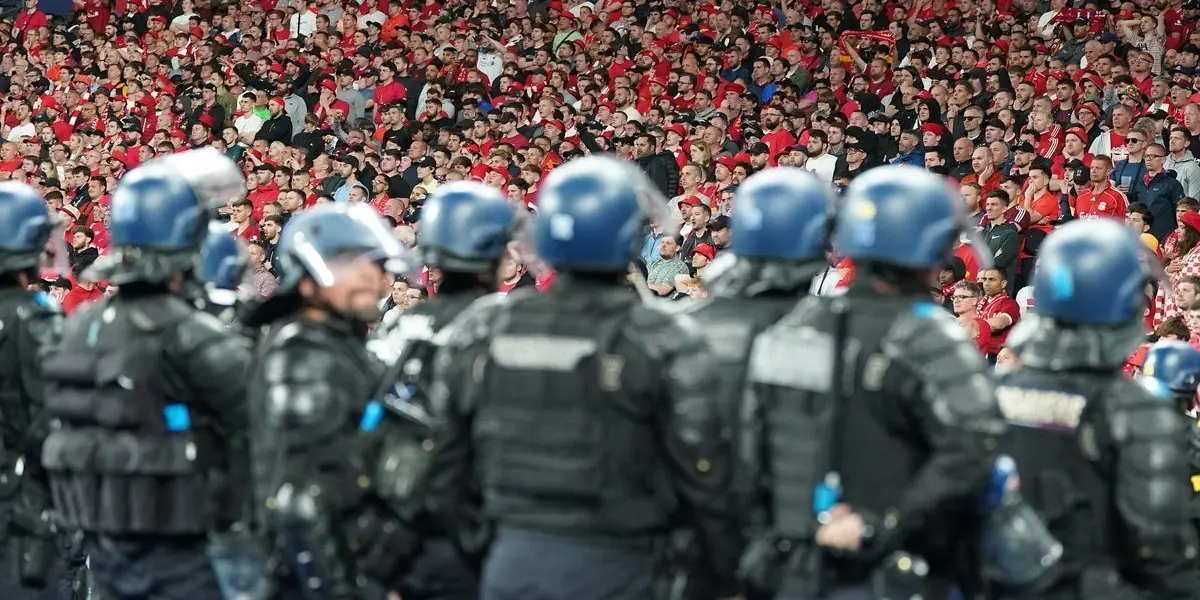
<point>534,566</point>
<point>152,569</point>
<point>440,572</point>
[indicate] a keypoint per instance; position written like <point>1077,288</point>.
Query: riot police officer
<point>589,417</point>
<point>220,271</point>
<point>1175,365</point>
<point>465,233</point>
<point>30,559</point>
<point>1105,459</point>
<point>311,402</point>
<point>780,230</point>
<point>870,422</point>
<point>143,390</point>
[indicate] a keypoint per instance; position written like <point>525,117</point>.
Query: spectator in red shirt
<point>241,216</point>
<point>1101,199</point>
<point>965,302</point>
<point>999,310</point>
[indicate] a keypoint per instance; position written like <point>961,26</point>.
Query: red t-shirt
<point>1000,304</point>
<point>984,338</point>
<point>78,296</point>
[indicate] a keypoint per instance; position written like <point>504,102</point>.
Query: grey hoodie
<point>1187,172</point>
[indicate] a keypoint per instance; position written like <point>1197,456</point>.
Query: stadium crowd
<point>1041,112</point>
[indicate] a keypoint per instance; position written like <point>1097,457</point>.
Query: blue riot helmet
<point>593,213</point>
<point>780,234</point>
<point>1090,292</point>
<point>902,216</point>
<point>223,261</point>
<point>27,227</point>
<point>160,213</point>
<point>1091,272</point>
<point>327,243</point>
<point>1175,366</point>
<point>214,178</point>
<point>465,227</point>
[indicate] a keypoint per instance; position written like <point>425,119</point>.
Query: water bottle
<point>1003,486</point>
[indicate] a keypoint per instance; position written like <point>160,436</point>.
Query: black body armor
<point>585,413</point>
<point>878,402</point>
<point>143,391</point>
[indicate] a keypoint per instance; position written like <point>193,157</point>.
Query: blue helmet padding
<point>1176,364</point>
<point>591,215</point>
<point>1091,272</point>
<point>154,208</point>
<point>223,259</point>
<point>465,224</point>
<point>25,220</point>
<point>898,215</point>
<point>782,214</point>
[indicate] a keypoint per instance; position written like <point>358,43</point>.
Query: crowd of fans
<point>1040,112</point>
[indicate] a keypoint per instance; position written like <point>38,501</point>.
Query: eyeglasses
<point>971,118</point>
<point>1156,156</point>
<point>1134,140</point>
<point>958,297</point>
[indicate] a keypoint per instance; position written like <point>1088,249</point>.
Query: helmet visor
<point>377,246</point>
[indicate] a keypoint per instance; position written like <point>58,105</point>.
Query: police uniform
<point>331,471</point>
<point>875,400</point>
<point>32,550</point>
<point>32,547</point>
<point>560,398</point>
<point>143,393</point>
<point>1104,459</point>
<point>465,231</point>
<point>914,391</point>
<point>778,243</point>
<point>589,420</point>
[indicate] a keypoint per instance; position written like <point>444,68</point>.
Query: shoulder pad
<point>154,313</point>
<point>661,334</point>
<point>955,379</point>
<point>305,386</point>
<point>298,359</point>
<point>198,329</point>
<point>475,323</point>
<point>42,321</point>
<point>1136,411</point>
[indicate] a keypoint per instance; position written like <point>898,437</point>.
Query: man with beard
<point>278,128</point>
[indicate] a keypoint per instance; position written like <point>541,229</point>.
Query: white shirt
<point>21,132</point>
<point>822,166</point>
<point>303,24</point>
<point>248,123</point>
<point>374,15</point>
<point>826,283</point>
<point>1025,299</point>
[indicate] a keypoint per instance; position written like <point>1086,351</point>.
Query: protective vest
<point>1057,433</point>
<point>731,325</point>
<point>125,457</point>
<point>564,430</point>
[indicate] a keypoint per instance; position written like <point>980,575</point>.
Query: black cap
<point>719,223</point>
<point>878,117</point>
<point>1082,21</point>
<point>1024,147</point>
<point>1074,163</point>
<point>799,148</point>
<point>758,148</point>
<point>703,40</point>
<point>349,160</point>
<point>858,145</point>
<point>997,123</point>
<point>427,162</point>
